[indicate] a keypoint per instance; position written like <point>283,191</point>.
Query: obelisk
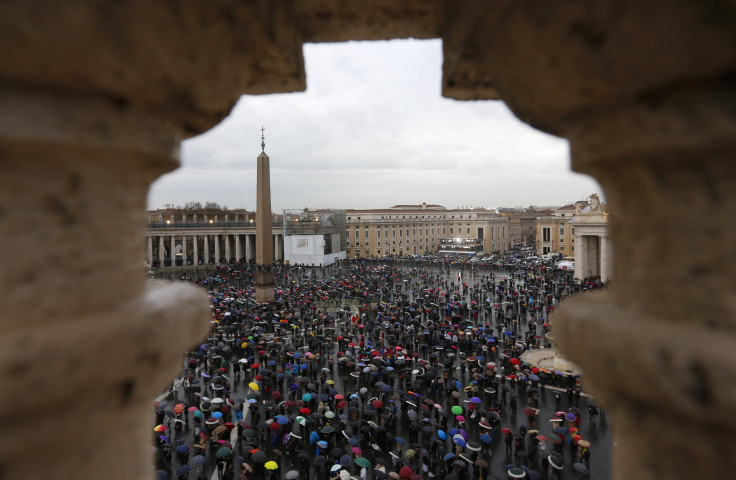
<point>264,229</point>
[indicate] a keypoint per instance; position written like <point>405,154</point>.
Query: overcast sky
<point>372,131</point>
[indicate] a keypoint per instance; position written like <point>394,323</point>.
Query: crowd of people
<point>375,369</point>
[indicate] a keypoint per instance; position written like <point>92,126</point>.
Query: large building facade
<point>555,235</point>
<point>422,229</point>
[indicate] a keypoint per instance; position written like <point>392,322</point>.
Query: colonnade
<point>176,249</point>
<point>592,256</point>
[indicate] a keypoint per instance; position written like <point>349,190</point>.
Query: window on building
<point>357,234</point>
<point>393,233</point>
<point>562,247</point>
<point>347,233</point>
<point>401,233</point>
<point>562,239</point>
<point>546,234</point>
<point>468,231</point>
<point>451,230</point>
<point>378,234</point>
<point>562,230</point>
<point>572,231</point>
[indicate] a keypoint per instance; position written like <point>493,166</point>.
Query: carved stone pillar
<point>81,326</point>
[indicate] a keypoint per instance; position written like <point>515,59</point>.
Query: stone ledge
<point>678,369</point>
<point>131,352</point>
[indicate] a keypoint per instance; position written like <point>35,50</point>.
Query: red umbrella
<point>274,426</point>
<point>255,365</point>
<point>339,396</point>
<point>342,404</point>
<point>377,404</point>
<point>406,472</point>
<point>276,395</point>
<point>515,361</point>
<point>530,412</point>
<point>305,411</point>
<point>179,408</point>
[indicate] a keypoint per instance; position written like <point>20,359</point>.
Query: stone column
<point>172,251</point>
<point>161,254</point>
<point>206,249</point>
<point>149,250</point>
<point>217,249</point>
<point>579,252</point>
<point>248,248</point>
<point>74,174</point>
<point>275,247</point>
<point>195,250</point>
<point>603,255</point>
<point>184,254</point>
<point>656,126</point>
<point>226,238</point>
<point>238,249</point>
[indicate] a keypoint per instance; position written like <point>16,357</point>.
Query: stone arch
<point>93,105</point>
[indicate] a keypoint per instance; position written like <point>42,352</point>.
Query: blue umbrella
<point>400,440</point>
<point>313,438</point>
<point>199,460</point>
<point>282,420</point>
<point>183,470</point>
<point>485,438</point>
<point>217,415</point>
<point>533,377</point>
<point>182,449</point>
<point>458,440</point>
<point>441,434</point>
<point>307,397</point>
<point>448,456</point>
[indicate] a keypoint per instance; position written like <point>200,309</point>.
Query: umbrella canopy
<point>223,452</point>
<point>362,462</point>
<point>271,465</point>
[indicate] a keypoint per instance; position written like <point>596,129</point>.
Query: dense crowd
<point>375,369</point>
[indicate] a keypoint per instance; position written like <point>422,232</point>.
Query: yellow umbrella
<point>254,386</point>
<point>271,465</point>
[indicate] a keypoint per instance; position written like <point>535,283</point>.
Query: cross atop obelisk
<point>264,228</point>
